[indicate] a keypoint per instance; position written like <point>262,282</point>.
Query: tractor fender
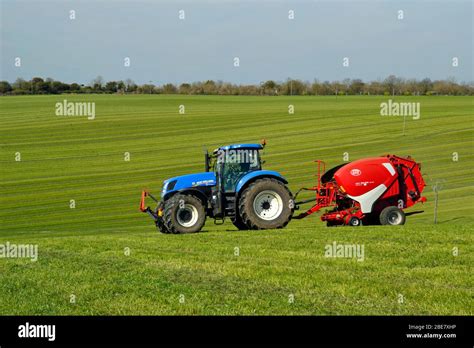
<point>252,176</point>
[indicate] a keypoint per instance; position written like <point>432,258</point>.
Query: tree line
<point>392,85</point>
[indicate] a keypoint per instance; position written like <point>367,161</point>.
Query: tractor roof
<point>241,146</point>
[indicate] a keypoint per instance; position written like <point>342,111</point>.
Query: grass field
<point>406,270</point>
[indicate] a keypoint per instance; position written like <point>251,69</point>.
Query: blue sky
<point>162,48</point>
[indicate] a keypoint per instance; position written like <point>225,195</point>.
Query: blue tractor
<point>233,186</point>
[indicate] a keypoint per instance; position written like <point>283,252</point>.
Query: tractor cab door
<point>218,192</point>
<point>229,169</point>
<point>234,170</point>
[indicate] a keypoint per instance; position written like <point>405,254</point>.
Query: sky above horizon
<point>163,48</point>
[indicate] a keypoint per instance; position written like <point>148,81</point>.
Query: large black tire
<point>392,216</point>
<point>266,203</point>
<point>354,222</point>
<point>239,223</point>
<point>160,224</point>
<point>184,214</point>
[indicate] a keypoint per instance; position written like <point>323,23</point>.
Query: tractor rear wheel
<point>392,216</point>
<point>237,221</point>
<point>184,214</point>
<point>266,203</point>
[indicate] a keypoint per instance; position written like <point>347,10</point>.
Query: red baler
<point>370,191</point>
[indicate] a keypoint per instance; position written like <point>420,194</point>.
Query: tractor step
<point>230,205</point>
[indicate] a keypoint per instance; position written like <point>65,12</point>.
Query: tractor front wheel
<point>184,214</point>
<point>160,224</point>
<point>266,203</point>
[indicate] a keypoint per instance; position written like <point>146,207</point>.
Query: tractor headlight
<point>165,186</point>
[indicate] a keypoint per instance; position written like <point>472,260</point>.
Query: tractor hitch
<point>148,210</point>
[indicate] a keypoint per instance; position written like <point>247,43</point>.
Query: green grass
<point>81,250</point>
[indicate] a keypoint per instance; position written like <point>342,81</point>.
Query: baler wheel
<point>354,221</point>
<point>392,216</point>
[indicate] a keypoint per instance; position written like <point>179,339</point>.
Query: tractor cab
<point>231,163</point>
